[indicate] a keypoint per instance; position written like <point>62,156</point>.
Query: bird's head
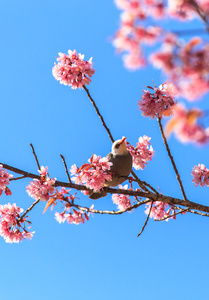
<point>119,147</point>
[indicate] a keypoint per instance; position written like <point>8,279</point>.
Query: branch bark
<point>137,193</point>
<point>171,158</point>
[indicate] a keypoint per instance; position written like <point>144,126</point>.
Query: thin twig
<point>171,158</point>
<point>66,170</point>
<point>198,213</point>
<point>193,211</point>
<point>98,113</point>
<point>145,223</point>
<point>199,12</point>
<point>136,199</point>
<point>147,184</point>
<point>144,184</point>
<point>109,212</point>
<point>34,153</point>
<point>174,214</point>
<point>30,208</point>
<point>17,178</point>
<point>140,183</point>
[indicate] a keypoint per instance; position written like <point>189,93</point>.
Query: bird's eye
<point>117,146</point>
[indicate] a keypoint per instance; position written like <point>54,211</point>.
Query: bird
<point>121,167</point>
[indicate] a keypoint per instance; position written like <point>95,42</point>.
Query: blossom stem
<point>171,158</point>
<point>147,219</point>
<point>30,208</point>
<point>66,170</point>
<point>98,113</point>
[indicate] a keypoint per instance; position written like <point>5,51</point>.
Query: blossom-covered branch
<point>137,193</point>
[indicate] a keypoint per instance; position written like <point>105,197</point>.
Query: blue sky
<point>102,259</point>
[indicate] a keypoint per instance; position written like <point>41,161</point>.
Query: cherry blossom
<point>157,103</point>
<point>159,212</point>
<point>4,181</point>
<point>184,123</point>
<point>93,174</point>
<point>204,5</point>
<point>72,217</point>
<point>75,218</point>
<point>186,65</point>
<point>123,201</point>
<point>12,227</point>
<point>142,153</point>
<point>73,70</point>
<point>200,175</point>
<point>181,9</point>
<point>69,214</point>
<point>43,171</point>
<point>63,194</point>
<point>185,62</point>
<point>60,217</point>
<point>134,60</point>
<point>41,189</point>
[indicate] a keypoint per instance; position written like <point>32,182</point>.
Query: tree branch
<point>199,12</point>
<point>109,212</point>
<point>171,158</point>
<point>30,208</point>
<point>149,195</point>
<point>66,170</point>
<point>17,178</point>
<point>147,219</point>
<point>36,158</point>
<point>98,113</point>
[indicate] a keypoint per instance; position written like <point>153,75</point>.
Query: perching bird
<point>121,167</point>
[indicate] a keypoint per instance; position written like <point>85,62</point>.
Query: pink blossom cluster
<point>184,123</point>
<point>4,181</point>
<point>181,9</point>
<point>12,227</point>
<point>73,70</point>
<point>157,103</point>
<point>69,214</point>
<point>200,175</point>
<point>142,153</point>
<point>93,174</point>
<point>41,189</point>
<point>122,201</point>
<point>186,65</point>
<point>77,217</point>
<point>185,62</point>
<point>61,195</point>
<point>159,211</point>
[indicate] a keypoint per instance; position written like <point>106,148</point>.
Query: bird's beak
<point>123,140</point>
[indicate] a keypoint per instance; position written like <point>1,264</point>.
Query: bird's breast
<point>121,164</point>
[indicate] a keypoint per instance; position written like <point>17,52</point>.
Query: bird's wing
<point>109,156</point>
